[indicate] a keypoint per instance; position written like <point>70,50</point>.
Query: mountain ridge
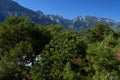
<point>9,8</point>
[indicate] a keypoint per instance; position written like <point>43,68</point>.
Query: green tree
<point>97,33</point>
<point>20,42</point>
<point>54,29</point>
<point>101,56</point>
<point>64,48</point>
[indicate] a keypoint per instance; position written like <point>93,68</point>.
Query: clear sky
<point>72,8</point>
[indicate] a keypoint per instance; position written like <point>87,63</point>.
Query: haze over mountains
<point>9,8</point>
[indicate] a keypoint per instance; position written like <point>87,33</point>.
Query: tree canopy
<point>34,52</point>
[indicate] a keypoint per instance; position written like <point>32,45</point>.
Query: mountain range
<point>9,8</point>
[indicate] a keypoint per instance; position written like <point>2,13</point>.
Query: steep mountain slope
<point>9,8</point>
<point>89,21</point>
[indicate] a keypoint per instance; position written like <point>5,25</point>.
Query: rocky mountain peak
<point>40,13</point>
<point>78,19</point>
<point>9,8</point>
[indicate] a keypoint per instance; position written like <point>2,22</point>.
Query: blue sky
<point>72,8</point>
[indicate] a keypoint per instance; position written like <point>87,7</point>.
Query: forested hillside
<point>34,52</point>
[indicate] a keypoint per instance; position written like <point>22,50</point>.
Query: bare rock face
<point>9,8</point>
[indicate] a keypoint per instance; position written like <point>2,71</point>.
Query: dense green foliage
<point>64,50</point>
<point>20,42</point>
<point>37,52</point>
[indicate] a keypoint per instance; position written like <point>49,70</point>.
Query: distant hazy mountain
<point>9,8</point>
